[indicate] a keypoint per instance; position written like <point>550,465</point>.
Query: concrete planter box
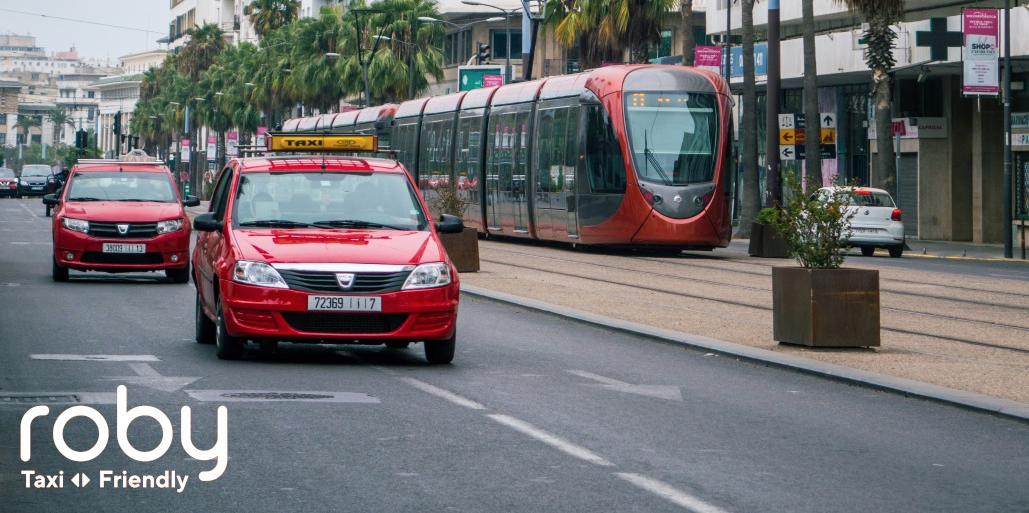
<point>463,249</point>
<point>825,307</point>
<point>766,242</point>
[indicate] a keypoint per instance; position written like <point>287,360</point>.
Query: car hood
<point>33,179</point>
<point>390,247</point>
<point>136,211</point>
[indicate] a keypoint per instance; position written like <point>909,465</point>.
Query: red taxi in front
<point>322,250</point>
<point>118,216</point>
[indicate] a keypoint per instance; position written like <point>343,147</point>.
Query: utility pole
<point>773,192</point>
<point>1008,242</point>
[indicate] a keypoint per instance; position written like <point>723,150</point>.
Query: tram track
<point>761,307</point>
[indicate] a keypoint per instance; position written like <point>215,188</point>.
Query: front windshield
<point>122,186</point>
<point>35,171</point>
<point>673,136</point>
<point>6,173</point>
<point>304,199</point>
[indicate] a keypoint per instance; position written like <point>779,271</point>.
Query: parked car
<point>317,249</point>
<point>32,181</point>
<point>876,222</point>
<point>8,182</point>
<point>118,216</point>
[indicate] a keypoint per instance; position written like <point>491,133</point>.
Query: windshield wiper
<point>85,198</point>
<point>653,160</point>
<point>276,223</point>
<point>354,223</point>
<point>144,200</point>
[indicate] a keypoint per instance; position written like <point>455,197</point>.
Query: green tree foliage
<point>605,29</point>
<point>815,224</point>
<point>205,43</point>
<point>270,15</point>
<point>61,119</point>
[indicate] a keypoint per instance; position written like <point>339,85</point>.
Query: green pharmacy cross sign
<point>938,39</point>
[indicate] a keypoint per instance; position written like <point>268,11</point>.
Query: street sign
<point>1020,139</point>
<point>786,121</point>
<point>787,152</point>
<point>793,136</point>
<point>827,136</point>
<point>827,120</point>
<point>474,77</point>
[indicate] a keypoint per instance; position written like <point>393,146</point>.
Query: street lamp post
<point>507,16</point>
<point>360,52</point>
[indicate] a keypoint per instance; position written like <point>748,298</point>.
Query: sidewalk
<point>932,249</point>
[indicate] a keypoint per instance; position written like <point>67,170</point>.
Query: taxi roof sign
<point>322,142</point>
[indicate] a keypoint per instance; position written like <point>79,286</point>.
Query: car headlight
<point>75,225</point>
<point>426,276</point>
<point>169,226</point>
<point>258,273</point>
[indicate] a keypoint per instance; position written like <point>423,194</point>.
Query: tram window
<point>446,129</point>
<point>604,165</point>
<point>673,136</point>
<point>474,142</point>
<point>557,152</point>
<point>573,132</point>
<point>545,142</point>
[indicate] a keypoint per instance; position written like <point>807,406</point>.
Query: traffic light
<point>482,54</point>
<point>117,122</point>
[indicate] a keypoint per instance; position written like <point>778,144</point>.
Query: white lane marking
<point>670,493</point>
<point>443,394</point>
<point>147,376</point>
<point>83,398</point>
<point>551,440</point>
<point>97,357</point>
<point>12,284</point>
<point>22,205</point>
<point>672,393</point>
<point>305,396</point>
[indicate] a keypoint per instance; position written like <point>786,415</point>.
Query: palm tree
<point>389,68</point>
<point>270,15</point>
<point>813,159</point>
<point>60,118</point>
<point>751,188</point>
<point>604,29</point>
<point>688,42</point>
<point>880,15</point>
<point>205,43</point>
<point>27,123</point>
<point>321,80</point>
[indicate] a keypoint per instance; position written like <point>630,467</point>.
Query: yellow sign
<point>791,136</point>
<point>317,142</point>
<point>828,136</point>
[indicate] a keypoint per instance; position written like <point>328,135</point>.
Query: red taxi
<point>322,249</point>
<point>120,216</point>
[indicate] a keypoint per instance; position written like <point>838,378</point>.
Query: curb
<point>908,388</point>
<point>968,258</point>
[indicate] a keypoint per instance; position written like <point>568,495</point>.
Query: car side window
<point>220,196</point>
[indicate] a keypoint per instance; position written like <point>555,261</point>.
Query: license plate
<point>124,248</point>
<point>36,188</point>
<point>865,230</point>
<point>345,303</point>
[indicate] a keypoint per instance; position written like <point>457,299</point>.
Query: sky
<point>90,39</point>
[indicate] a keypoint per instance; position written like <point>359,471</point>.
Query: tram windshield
<point>672,136</point>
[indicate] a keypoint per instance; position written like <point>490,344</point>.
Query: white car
<point>876,222</point>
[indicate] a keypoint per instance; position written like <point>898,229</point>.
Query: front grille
<point>321,322</point>
<point>110,230</point>
<point>96,257</point>
<point>364,283</point>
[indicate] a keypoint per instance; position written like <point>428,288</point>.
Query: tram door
<point>543,163</point>
<point>492,167</point>
<point>573,167</point>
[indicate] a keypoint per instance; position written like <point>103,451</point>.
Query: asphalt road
<point>536,414</point>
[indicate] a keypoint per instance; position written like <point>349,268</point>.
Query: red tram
<point>621,155</point>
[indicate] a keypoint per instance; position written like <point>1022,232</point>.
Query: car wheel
<point>178,275</point>
<point>867,250</point>
<point>59,273</point>
<point>896,251</point>
<point>438,352</point>
<point>229,347</point>
<point>397,345</point>
<point>205,328</point>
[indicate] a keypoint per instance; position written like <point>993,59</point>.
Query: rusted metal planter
<point>463,249</point>
<point>766,242</point>
<point>825,307</point>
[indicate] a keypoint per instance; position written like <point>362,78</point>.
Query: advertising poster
<point>231,144</point>
<point>709,58</point>
<point>261,132</point>
<point>982,52</point>
<point>185,150</point>
<point>212,147</point>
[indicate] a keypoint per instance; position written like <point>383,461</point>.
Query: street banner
<point>982,51</point>
<point>185,150</point>
<point>212,148</point>
<point>709,58</point>
<point>760,60</point>
<point>231,144</point>
<point>492,80</point>
<point>261,131</point>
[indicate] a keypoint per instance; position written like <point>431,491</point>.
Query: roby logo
<point>124,417</point>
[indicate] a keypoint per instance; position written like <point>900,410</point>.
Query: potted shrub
<point>463,247</point>
<point>765,240</point>
<point>819,304</point>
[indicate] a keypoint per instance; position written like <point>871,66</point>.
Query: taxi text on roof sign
<point>316,142</point>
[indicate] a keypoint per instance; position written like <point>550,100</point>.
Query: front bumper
<point>32,190</point>
<point>884,236</point>
<point>168,251</point>
<point>281,314</point>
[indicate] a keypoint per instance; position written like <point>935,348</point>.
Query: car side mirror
<point>449,224</point>
<point>51,199</point>
<point>207,223</point>
<point>191,201</point>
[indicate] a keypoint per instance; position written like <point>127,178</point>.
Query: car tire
<point>229,347</point>
<point>896,251</point>
<point>397,345</point>
<point>58,273</point>
<point>440,352</point>
<point>178,275</point>
<point>867,250</point>
<point>206,331</point>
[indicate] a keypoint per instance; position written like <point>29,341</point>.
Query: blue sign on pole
<point>760,60</point>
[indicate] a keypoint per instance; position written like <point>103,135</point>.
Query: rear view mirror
<point>51,199</point>
<point>191,201</point>
<point>449,224</point>
<point>207,223</point>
